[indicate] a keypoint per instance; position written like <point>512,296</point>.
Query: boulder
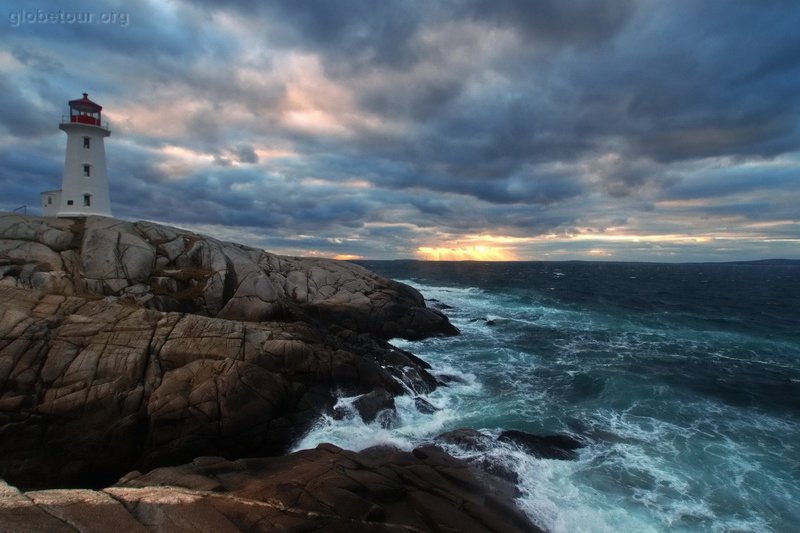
<point>479,445</point>
<point>112,250</point>
<point>56,234</point>
<point>372,403</point>
<point>544,446</point>
<point>466,439</point>
<point>437,304</point>
<point>35,253</point>
<point>447,379</point>
<point>424,406</point>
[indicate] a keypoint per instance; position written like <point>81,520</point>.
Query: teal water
<point>683,379</point>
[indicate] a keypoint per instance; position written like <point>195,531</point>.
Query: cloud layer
<point>504,129</point>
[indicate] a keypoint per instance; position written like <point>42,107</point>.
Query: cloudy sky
<point>455,129</point>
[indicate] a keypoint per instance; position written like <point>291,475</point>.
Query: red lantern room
<point>85,111</point>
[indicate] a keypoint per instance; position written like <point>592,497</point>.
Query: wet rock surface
<point>372,403</point>
<point>323,489</point>
<point>478,446</point>
<point>544,446</point>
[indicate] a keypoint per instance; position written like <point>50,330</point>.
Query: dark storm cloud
<point>24,169</point>
<point>380,125</point>
<point>382,32</point>
<point>246,153</point>
<point>558,22</point>
<point>527,188</point>
<point>21,115</point>
<point>693,93</point>
<point>739,182</point>
<point>356,31</point>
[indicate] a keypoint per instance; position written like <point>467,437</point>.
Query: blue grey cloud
<point>374,128</point>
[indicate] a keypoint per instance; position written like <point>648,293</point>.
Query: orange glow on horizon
<point>466,253</point>
<point>347,257</point>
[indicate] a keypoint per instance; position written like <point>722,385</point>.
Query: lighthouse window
<point>87,170</point>
<point>87,200</point>
<point>86,141</point>
<point>69,202</point>
<point>49,200</point>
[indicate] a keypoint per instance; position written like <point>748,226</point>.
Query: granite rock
<point>133,345</point>
<point>92,386</point>
<point>169,269</point>
<point>323,489</point>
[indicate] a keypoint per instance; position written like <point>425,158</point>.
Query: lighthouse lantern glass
<point>84,116</point>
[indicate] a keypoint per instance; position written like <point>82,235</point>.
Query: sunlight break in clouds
<point>466,253</point>
<point>316,104</point>
<point>178,162</point>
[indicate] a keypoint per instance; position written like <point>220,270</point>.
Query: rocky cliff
<point>168,269</point>
<point>134,345</point>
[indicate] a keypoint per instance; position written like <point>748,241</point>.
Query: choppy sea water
<point>684,379</point>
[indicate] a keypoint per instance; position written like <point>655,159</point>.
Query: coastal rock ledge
<point>134,345</point>
<point>323,489</point>
<point>168,269</point>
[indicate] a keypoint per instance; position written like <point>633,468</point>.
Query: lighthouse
<point>84,185</point>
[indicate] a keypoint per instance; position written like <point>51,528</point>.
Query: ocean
<point>683,380</point>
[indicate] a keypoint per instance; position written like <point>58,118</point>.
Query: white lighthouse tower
<point>84,186</point>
